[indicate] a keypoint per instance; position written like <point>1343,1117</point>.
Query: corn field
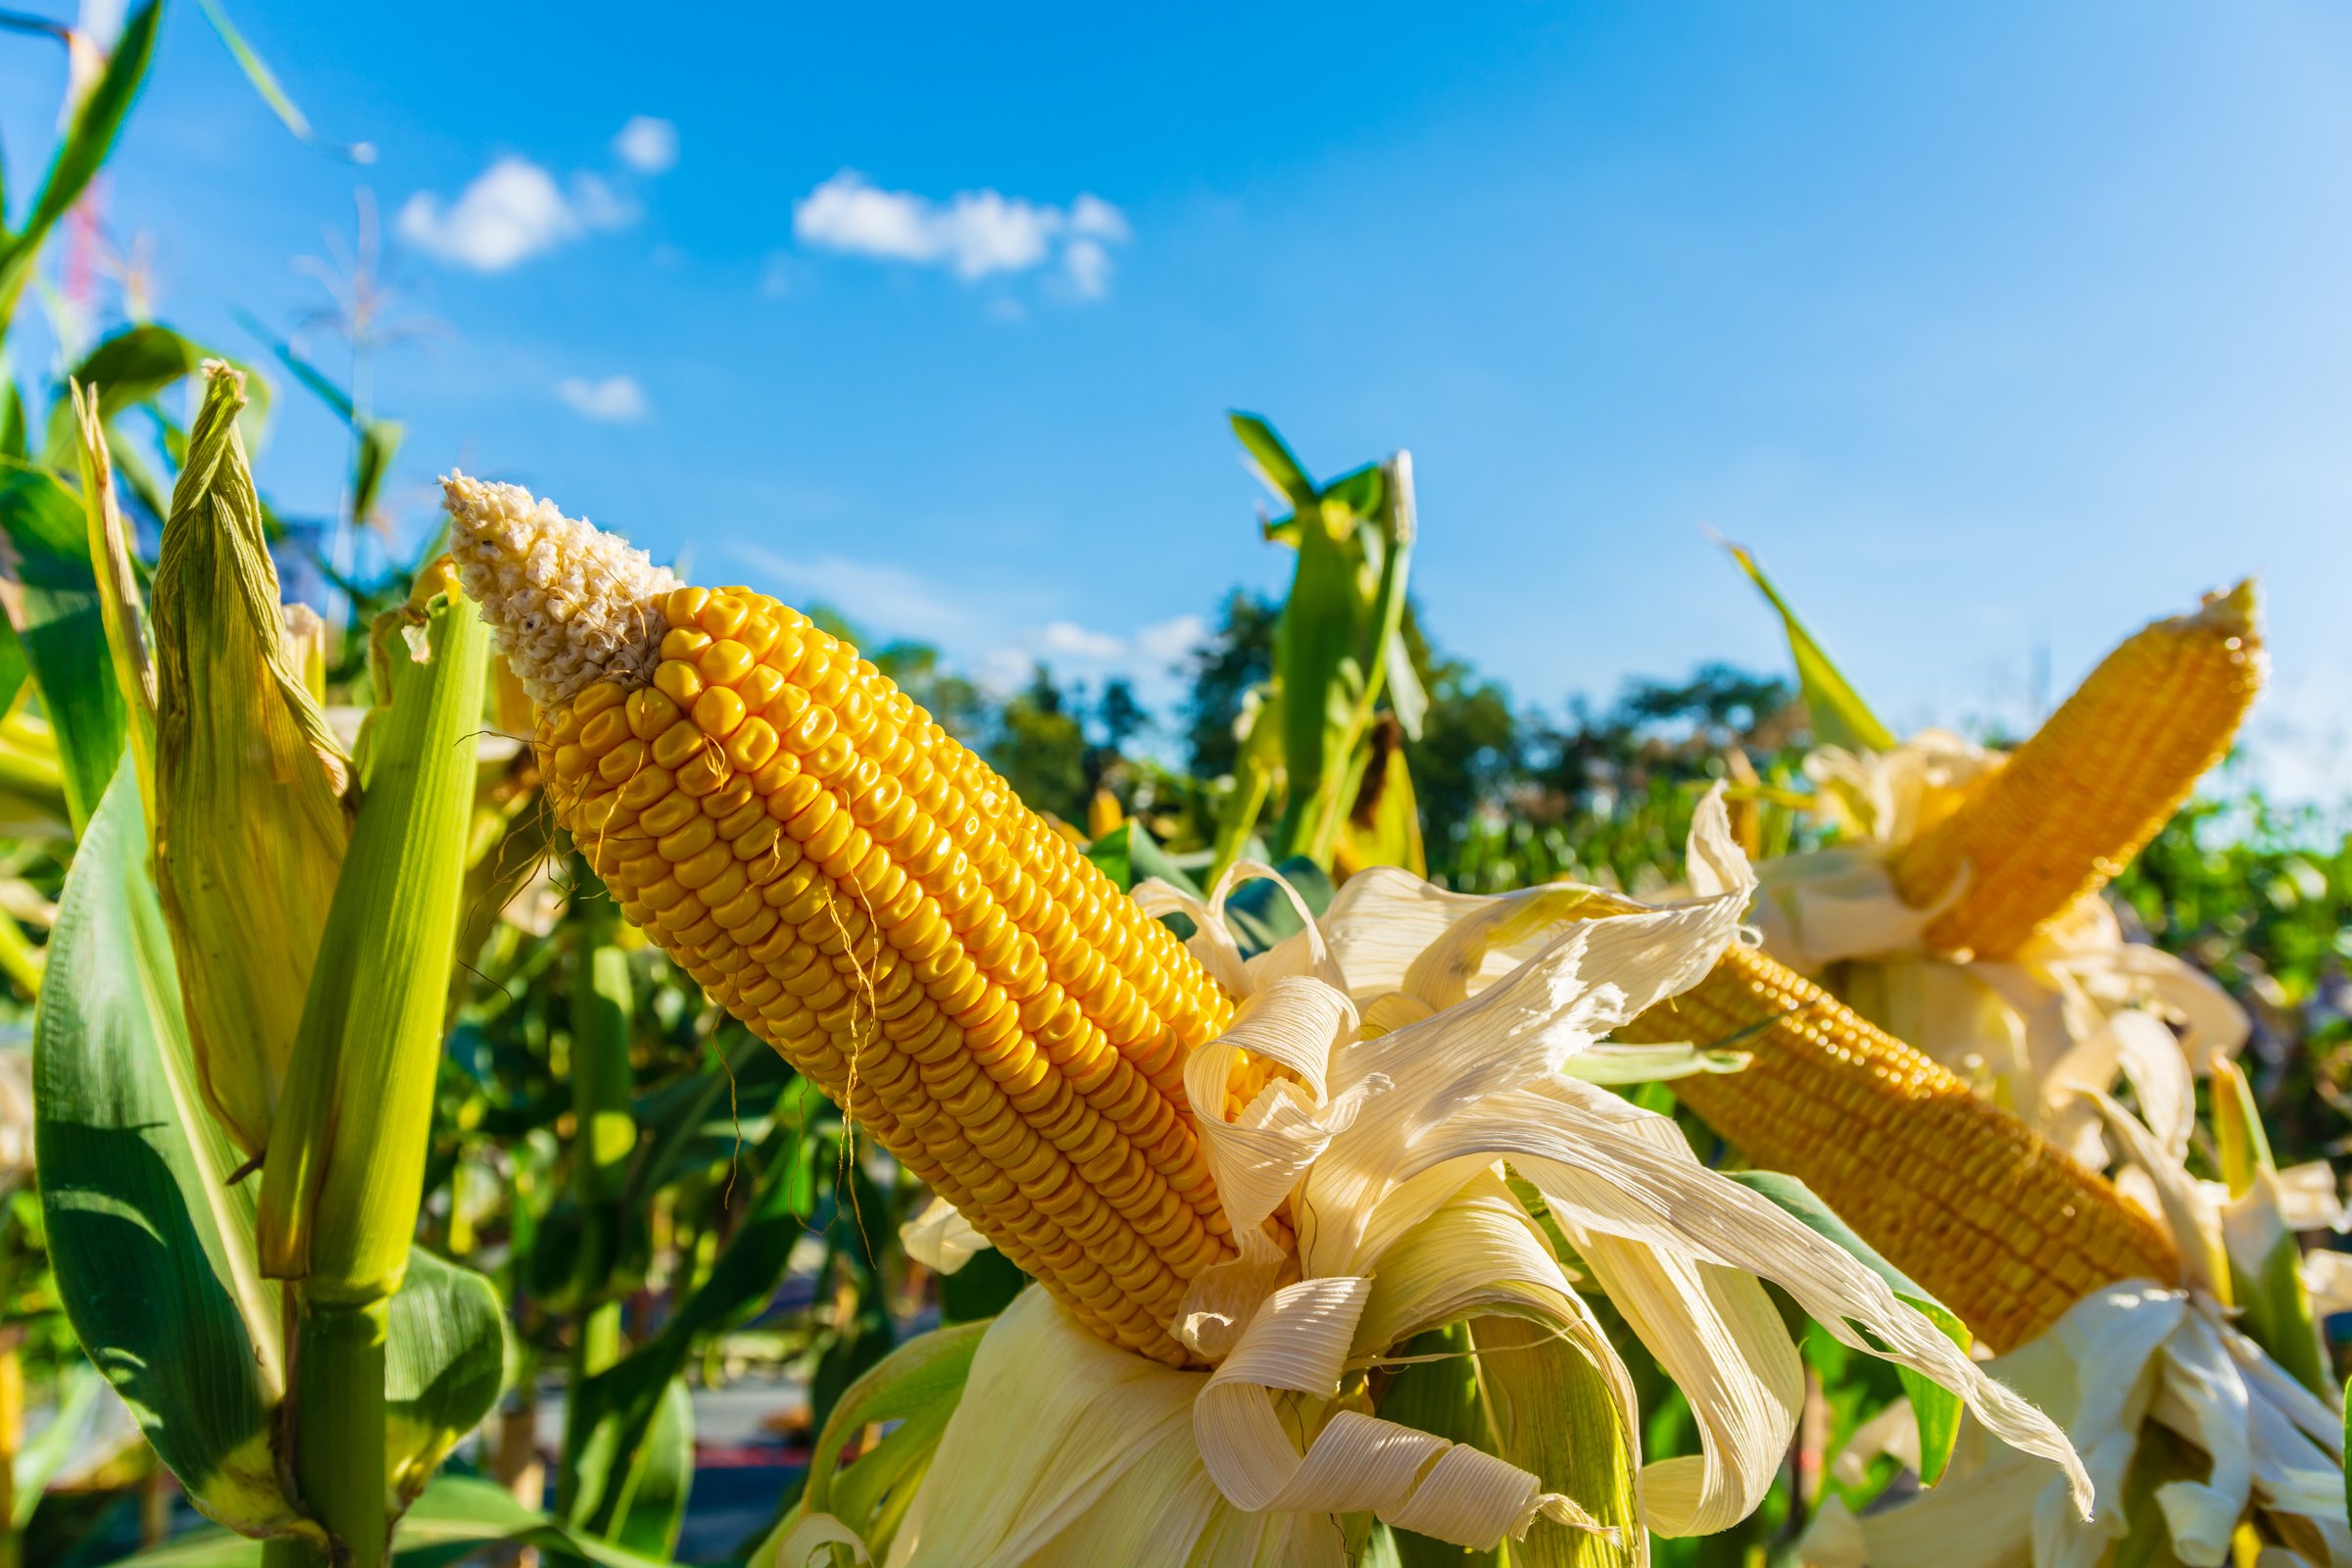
<point>515,1054</point>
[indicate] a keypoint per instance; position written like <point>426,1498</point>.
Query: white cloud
<point>1091,214</point>
<point>1143,658</point>
<point>1088,266</point>
<point>513,210</point>
<point>648,145</point>
<point>1168,641</point>
<point>972,233</point>
<point>1072,641</point>
<point>614,400</point>
<point>597,203</point>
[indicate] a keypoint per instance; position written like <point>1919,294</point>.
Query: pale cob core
<point>872,900</point>
<point>566,601</point>
<point>1985,1213</point>
<point>2071,807</point>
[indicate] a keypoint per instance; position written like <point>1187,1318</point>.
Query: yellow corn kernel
<point>2071,807</point>
<point>867,895</point>
<point>1987,1215</point>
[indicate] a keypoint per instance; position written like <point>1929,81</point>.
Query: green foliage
<point>153,1246</point>
<point>59,629</point>
<point>88,139</point>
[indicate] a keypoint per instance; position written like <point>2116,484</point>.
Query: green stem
<point>604,1134</point>
<point>292,1551</point>
<point>339,1426</point>
<point>1252,782</point>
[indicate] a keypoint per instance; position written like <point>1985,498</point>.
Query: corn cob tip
<point>2235,611</point>
<point>566,601</point>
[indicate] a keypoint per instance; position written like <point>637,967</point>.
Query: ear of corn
<point>1984,1213</point>
<point>874,902</point>
<point>250,824</point>
<point>2075,803</point>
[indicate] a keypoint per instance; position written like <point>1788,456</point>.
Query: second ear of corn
<point>1990,1217</point>
<point>2069,807</point>
<point>872,900</point>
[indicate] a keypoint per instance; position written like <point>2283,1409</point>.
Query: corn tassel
<point>872,901</point>
<point>1989,1216</point>
<point>2072,804</point>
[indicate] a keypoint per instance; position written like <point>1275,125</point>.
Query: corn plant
<point>1318,728</point>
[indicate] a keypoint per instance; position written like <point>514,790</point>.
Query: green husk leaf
<point>2275,1314</point>
<point>919,1383</point>
<point>1440,1394</point>
<point>251,828</point>
<point>1839,717</point>
<point>339,1192</point>
<point>2242,1147</point>
<point>1554,1417</point>
<point>1385,826</point>
<point>119,606</point>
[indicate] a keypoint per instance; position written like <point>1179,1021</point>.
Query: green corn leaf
<point>614,1413</point>
<point>1839,717</point>
<point>265,82</point>
<point>89,140</point>
<point>131,368</point>
<point>61,630</point>
<point>346,1157</point>
<point>1129,855</point>
<point>460,1518</point>
<point>322,385</point>
<point>12,416</point>
<point>48,1451</point>
<point>984,1286</point>
<point>379,441</point>
<point>1260,917</point>
<point>652,1511</point>
<point>445,1359</point>
<point>1336,637</point>
<point>1935,1408</point>
<point>251,828</point>
<point>151,1243</point>
<point>1274,462</point>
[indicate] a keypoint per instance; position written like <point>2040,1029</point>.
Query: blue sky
<point>1994,330</point>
